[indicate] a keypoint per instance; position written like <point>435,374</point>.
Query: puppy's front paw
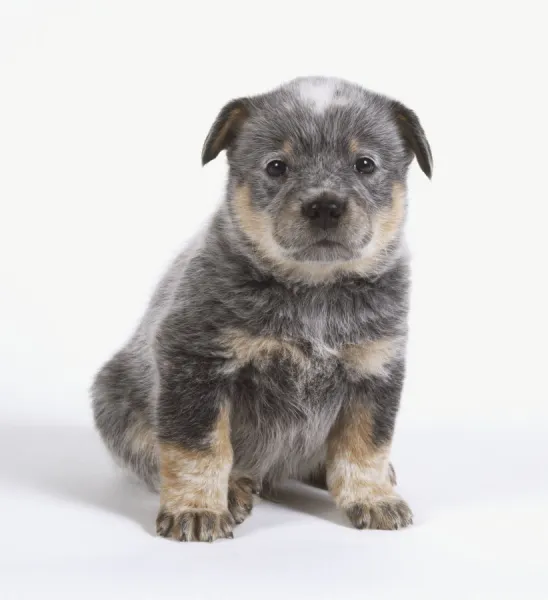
<point>389,512</point>
<point>194,525</point>
<point>240,498</point>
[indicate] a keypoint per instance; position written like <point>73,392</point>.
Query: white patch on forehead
<point>320,93</point>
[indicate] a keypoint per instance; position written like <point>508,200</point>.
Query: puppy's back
<point>124,391</point>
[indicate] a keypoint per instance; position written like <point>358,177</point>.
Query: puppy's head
<point>317,173</point>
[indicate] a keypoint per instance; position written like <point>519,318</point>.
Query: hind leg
<point>122,416</point>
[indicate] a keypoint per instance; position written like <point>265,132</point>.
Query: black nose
<point>325,210</point>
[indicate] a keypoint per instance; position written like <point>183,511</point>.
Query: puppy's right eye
<point>276,168</point>
<point>364,165</point>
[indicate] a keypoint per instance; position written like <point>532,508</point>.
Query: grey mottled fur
<point>170,378</point>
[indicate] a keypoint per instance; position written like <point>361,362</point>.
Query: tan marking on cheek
<point>254,224</point>
<point>389,222</point>
<point>372,358</point>
<point>197,479</point>
<point>357,470</point>
<point>354,146</point>
<point>258,228</point>
<point>244,348</point>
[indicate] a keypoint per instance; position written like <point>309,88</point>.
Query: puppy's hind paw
<point>240,498</point>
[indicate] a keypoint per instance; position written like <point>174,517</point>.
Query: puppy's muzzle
<point>324,211</point>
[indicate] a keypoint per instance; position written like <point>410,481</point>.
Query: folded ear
<point>414,135</point>
<point>226,127</point>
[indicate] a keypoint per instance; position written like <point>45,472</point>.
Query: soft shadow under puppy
<point>70,462</point>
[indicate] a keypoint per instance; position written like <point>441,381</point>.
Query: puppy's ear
<point>413,133</point>
<point>226,127</point>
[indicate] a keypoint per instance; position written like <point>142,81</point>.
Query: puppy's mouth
<point>327,244</point>
<point>324,251</point>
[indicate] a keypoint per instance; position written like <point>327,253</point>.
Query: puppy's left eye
<point>276,168</point>
<point>364,165</point>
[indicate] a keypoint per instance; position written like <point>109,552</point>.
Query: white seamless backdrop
<point>104,106</point>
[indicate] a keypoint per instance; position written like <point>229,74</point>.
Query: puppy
<point>274,346</point>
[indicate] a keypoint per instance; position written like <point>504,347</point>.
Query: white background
<point>103,110</point>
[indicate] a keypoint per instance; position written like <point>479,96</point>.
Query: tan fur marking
<point>354,146</point>
<point>197,479</point>
<point>258,228</point>
<point>244,348</point>
<point>287,148</point>
<point>253,223</point>
<point>142,438</point>
<point>390,221</point>
<point>219,141</point>
<point>371,358</point>
<point>357,470</point>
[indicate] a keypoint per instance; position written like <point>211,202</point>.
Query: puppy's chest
<point>308,358</point>
<point>279,359</point>
<point>287,385</point>
<point>300,347</point>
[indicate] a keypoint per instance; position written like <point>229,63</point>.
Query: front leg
<point>359,473</point>
<point>195,453</point>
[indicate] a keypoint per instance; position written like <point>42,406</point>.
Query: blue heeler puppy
<point>274,346</point>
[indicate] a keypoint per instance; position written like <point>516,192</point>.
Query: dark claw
<point>164,524</point>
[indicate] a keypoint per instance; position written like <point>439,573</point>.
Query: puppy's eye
<point>364,165</point>
<point>276,168</point>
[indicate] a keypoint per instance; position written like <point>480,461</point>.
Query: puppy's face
<point>318,169</point>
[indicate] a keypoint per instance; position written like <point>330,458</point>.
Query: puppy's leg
<point>318,477</point>
<point>194,486</point>
<point>359,473</point>
<point>240,497</point>
<point>195,449</point>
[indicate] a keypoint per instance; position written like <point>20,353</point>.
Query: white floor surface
<point>75,527</point>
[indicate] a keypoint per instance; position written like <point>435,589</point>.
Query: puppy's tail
<point>117,395</point>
